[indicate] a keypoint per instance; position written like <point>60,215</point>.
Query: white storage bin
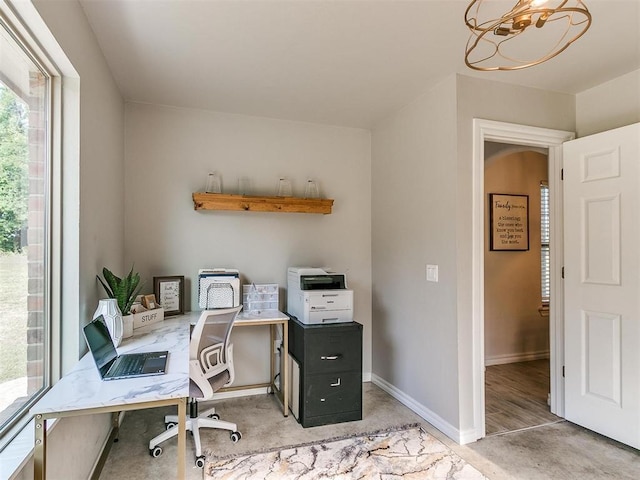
<point>257,297</point>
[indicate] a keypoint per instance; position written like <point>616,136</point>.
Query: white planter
<point>109,310</point>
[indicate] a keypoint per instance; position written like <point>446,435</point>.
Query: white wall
<point>101,152</point>
<point>92,210</point>
<point>610,105</point>
<point>514,329</point>
<point>413,212</point>
<point>169,152</point>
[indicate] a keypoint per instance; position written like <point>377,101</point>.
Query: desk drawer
<point>332,393</point>
<point>334,351</point>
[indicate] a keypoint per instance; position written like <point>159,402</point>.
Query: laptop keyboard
<point>130,364</point>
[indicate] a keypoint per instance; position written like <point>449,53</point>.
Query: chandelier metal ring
<point>485,49</point>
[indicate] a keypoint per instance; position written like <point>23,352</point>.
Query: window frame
<point>22,35</point>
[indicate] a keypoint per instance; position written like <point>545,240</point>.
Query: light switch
<point>432,273</point>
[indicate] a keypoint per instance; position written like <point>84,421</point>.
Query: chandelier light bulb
<point>538,3</point>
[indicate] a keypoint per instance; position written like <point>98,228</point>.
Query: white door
<point>602,283</point>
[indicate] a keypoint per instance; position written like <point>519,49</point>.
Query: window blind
<point>545,272</point>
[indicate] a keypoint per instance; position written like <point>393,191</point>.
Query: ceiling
<point>340,62</point>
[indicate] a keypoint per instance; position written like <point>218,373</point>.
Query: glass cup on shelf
<point>284,187</point>
<point>244,186</point>
<point>213,183</point>
<point>311,190</point>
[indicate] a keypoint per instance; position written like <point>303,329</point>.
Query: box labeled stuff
<point>148,317</point>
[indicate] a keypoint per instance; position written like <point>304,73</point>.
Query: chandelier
<point>532,32</point>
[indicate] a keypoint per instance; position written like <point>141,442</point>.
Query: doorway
<point>516,288</point>
<point>551,140</point>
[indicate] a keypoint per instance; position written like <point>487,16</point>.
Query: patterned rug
<point>408,454</point>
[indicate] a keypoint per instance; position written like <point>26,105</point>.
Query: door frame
<point>514,134</point>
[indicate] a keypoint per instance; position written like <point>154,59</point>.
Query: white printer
<point>315,296</point>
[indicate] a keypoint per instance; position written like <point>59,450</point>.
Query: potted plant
<point>124,291</point>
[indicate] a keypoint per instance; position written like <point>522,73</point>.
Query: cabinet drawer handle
<point>337,384</point>
<point>324,295</point>
<point>330,357</point>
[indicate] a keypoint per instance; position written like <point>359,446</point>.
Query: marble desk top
<point>82,388</point>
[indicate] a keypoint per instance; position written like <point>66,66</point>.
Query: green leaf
<point>106,288</point>
<point>124,290</point>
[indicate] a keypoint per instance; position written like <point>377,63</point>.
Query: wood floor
<point>516,396</point>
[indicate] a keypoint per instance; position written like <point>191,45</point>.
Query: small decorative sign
<point>509,217</point>
<point>169,292</point>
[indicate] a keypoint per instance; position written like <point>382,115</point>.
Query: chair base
<point>194,424</point>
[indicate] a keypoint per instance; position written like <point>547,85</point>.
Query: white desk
<point>272,318</point>
<point>83,392</point>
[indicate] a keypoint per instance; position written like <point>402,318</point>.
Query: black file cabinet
<point>330,371</point>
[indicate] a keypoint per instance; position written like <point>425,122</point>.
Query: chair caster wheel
<point>155,452</point>
<point>214,416</point>
<point>200,462</point>
<point>235,437</point>
<point>169,425</point>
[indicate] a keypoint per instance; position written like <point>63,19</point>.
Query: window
<point>24,229</point>
<point>544,243</point>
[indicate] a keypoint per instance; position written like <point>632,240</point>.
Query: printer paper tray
<point>327,316</point>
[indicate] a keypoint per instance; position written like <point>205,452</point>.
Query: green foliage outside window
<point>14,179</point>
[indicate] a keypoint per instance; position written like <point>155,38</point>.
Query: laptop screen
<point>100,344</point>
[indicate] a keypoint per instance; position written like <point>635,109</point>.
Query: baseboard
<point>516,357</point>
<point>433,418</point>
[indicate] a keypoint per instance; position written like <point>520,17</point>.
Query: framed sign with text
<point>169,292</point>
<point>509,222</point>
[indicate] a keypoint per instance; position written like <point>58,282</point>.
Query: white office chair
<point>210,369</point>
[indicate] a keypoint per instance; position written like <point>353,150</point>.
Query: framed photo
<point>170,294</point>
<point>509,222</point>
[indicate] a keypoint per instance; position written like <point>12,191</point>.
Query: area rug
<point>408,454</point>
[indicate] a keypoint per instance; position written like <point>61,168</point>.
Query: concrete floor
<point>561,452</point>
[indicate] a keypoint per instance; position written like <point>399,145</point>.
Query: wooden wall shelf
<point>250,203</point>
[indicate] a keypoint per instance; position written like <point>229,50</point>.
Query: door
<point>602,283</point>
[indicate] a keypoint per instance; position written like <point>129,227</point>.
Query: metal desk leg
<point>182,438</point>
<point>272,358</point>
<point>284,380</point>
<point>40,448</point>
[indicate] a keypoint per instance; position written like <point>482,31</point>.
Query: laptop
<point>113,366</point>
